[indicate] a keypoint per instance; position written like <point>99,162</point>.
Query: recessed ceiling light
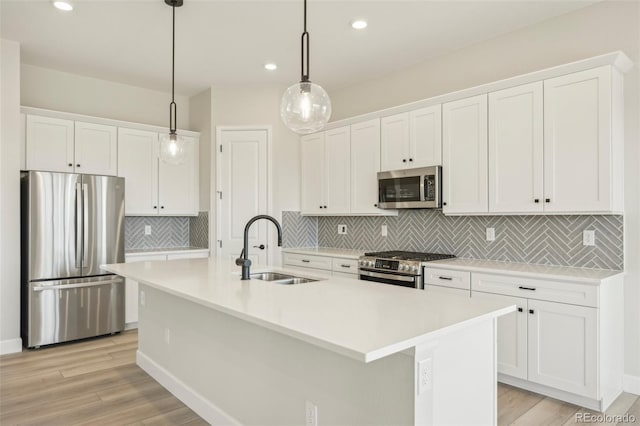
<point>63,5</point>
<point>270,66</point>
<point>359,24</point>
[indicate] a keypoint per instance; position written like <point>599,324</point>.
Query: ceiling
<point>227,42</point>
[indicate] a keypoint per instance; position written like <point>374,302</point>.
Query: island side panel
<point>258,376</point>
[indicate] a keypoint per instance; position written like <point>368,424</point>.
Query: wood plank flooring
<point>97,382</point>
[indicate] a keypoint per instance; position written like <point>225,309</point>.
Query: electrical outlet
<point>491,234</point>
<point>147,230</point>
<point>588,238</point>
<point>342,229</point>
<point>425,375</point>
<point>383,230</point>
<point>167,336</point>
<point>311,414</point>
<point>142,298</point>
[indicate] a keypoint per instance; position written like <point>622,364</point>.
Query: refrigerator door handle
<point>85,224</point>
<point>78,228</point>
<point>78,285</point>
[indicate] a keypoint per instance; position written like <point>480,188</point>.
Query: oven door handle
<point>388,276</point>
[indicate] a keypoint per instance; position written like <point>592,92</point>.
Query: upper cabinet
<point>59,145</point>
<point>412,139</point>
<point>312,179</point>
<point>515,149</point>
<point>464,156</point>
<point>583,142</point>
<point>365,165</point>
<point>337,147</point>
<point>153,187</point>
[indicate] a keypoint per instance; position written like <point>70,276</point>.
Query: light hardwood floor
<point>97,382</point>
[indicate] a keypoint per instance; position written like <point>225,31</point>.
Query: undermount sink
<point>279,278</point>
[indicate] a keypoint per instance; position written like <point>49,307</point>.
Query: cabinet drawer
<point>307,261</point>
<point>448,278</point>
<point>348,266</point>
<point>553,291</point>
<point>452,290</point>
<point>174,256</point>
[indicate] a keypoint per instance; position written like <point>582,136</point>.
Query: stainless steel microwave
<point>418,188</point>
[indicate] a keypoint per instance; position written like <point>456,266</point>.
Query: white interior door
<point>242,192</point>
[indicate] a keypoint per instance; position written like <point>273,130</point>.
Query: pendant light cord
<point>173,110</point>
<point>304,77</point>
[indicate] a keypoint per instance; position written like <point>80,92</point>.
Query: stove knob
<point>403,267</point>
<point>414,268</point>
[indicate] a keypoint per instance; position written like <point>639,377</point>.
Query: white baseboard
<point>131,325</point>
<point>192,399</point>
<point>10,346</point>
<point>631,384</point>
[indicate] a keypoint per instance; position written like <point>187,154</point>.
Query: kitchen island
<point>334,351</point>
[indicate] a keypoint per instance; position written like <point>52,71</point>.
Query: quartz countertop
<point>165,250</point>
<point>326,251</point>
<point>560,273</point>
<point>359,319</point>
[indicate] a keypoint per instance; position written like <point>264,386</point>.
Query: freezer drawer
<point>63,310</point>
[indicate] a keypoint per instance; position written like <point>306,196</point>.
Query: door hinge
<point>220,148</point>
<point>220,194</point>
<point>220,243</point>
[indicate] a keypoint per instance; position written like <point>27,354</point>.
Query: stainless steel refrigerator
<point>70,225</point>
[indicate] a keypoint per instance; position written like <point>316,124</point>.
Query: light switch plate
<point>147,230</point>
<point>491,234</point>
<point>383,230</point>
<point>588,238</point>
<point>425,375</point>
<point>342,229</point>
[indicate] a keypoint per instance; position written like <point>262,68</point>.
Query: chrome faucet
<point>243,260</point>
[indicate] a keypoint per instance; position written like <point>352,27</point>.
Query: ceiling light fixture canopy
<point>63,5</point>
<point>305,106</point>
<point>172,145</point>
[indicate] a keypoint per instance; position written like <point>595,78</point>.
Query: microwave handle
<point>423,188</point>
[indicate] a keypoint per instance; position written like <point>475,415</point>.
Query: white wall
<point>261,106</point>
<point>9,197</point>
<point>200,121</point>
<point>594,30</point>
<point>61,91</point>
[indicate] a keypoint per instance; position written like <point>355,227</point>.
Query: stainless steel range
<point>403,268</point>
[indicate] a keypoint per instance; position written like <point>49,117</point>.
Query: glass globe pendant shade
<point>172,148</point>
<point>305,107</point>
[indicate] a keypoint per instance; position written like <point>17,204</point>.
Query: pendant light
<point>172,145</point>
<point>305,106</point>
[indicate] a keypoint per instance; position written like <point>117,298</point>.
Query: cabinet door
<point>138,165</point>
<point>49,144</point>
<point>464,160</point>
<point>365,165</point>
<point>337,148</point>
<point>96,149</point>
<point>562,347</point>
<point>577,141</point>
<point>312,174</point>
<point>178,183</point>
<point>515,149</point>
<point>394,134</point>
<point>425,137</point>
<point>131,289</point>
<point>512,335</point>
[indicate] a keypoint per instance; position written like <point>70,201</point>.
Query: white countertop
<point>171,250</point>
<point>560,273</point>
<point>359,319</point>
<point>326,251</point>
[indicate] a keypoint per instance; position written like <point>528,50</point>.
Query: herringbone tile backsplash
<point>298,230</point>
<point>166,232</point>
<point>550,240</point>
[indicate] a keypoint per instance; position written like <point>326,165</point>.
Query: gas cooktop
<point>409,255</point>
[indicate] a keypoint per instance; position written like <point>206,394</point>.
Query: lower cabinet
<point>325,266</point>
<point>131,286</point>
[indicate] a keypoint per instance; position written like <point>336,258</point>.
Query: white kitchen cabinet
<point>562,347</point>
<point>516,149</point>
<point>337,174</point>
<point>321,265</point>
<point>583,152</point>
<point>60,145</point>
<point>312,173</point>
<point>50,144</point>
<point>178,183</point>
<point>365,165</point>
<point>464,156</point>
<point>512,335</point>
<point>138,165</point>
<point>412,139</point>
<point>96,149</point>
<point>153,187</point>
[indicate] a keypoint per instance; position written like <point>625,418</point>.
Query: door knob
<point>261,246</point>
